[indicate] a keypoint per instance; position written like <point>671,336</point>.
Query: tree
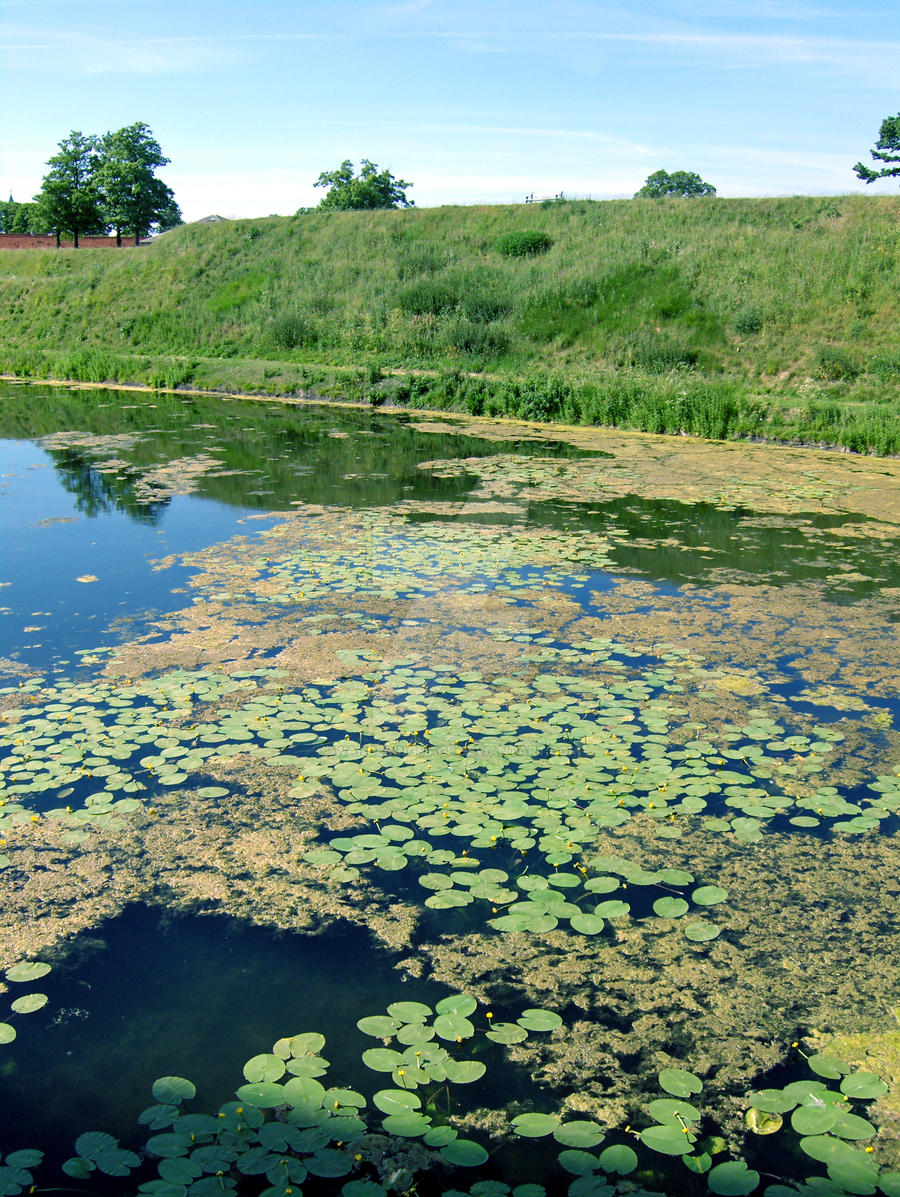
<point>133,199</point>
<point>371,188</point>
<point>681,182</point>
<point>169,218</point>
<point>69,199</point>
<point>888,140</point>
<point>20,218</point>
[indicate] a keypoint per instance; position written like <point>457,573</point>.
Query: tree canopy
<point>132,197</point>
<point>69,200</point>
<point>371,188</point>
<point>681,182</point>
<point>887,149</point>
<point>20,218</point>
<point>97,183</point>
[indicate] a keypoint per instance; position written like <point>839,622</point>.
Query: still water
<point>582,748</point>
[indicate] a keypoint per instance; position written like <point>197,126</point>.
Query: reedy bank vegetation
<point>769,318</point>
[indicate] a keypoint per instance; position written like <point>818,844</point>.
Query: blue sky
<point>472,102</point>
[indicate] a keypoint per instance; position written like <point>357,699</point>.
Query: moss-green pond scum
<point>476,808</point>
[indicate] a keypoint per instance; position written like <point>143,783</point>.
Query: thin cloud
<point>99,54</point>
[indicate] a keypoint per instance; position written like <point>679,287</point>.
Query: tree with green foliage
<point>169,218</point>
<point>20,218</point>
<point>133,199</point>
<point>684,183</point>
<point>369,189</point>
<point>69,200</point>
<point>887,149</point>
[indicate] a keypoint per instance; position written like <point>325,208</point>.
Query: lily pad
<point>535,1126</point>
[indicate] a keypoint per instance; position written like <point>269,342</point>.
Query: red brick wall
<point>48,241</point>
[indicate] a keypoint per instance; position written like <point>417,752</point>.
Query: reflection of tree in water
<point>97,491</point>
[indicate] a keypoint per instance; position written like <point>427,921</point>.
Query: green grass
<point>773,317</point>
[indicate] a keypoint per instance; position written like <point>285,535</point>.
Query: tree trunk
<point>118,234</point>
<point>75,235</point>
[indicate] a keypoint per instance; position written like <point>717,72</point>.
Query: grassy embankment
<point>774,318</point>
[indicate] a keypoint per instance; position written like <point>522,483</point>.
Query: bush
<point>291,330</point>
<point>748,320</point>
<point>523,243</point>
<point>484,308</point>
<point>427,297</point>
<point>475,339</point>
<point>658,354</point>
<point>835,365</point>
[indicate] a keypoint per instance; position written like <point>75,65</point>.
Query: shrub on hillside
<point>427,297</point>
<point>483,308</point>
<point>476,340</point>
<point>523,243</point>
<point>292,330</point>
<point>835,365</point>
<point>748,320</point>
<point>659,354</point>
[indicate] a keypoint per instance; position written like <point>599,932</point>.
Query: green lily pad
<point>31,970</point>
<point>409,1126</point>
<point>578,1163</point>
<point>408,1012</point>
<point>535,1126</point>
<point>458,1003</point>
<point>679,1082</point>
<point>863,1085</point>
<point>507,1032</point>
<point>667,1109</point>
<point>379,1026</point>
<point>172,1090</point>
<point>618,1158</point>
<point>396,1101</point>
<point>586,924</point>
<point>266,1067</point>
<point>733,1177</point>
<point>760,1122</point>
<point>670,1139</point>
<point>813,1120</point>
<point>579,1133</point>
<point>464,1153</point>
<point>709,895</point>
<point>538,1019</point>
<point>828,1066</point>
<point>29,1003</point>
<point>453,1027</point>
<point>854,1175</point>
<point>265,1095</point>
<point>701,932</point>
<point>670,908</point>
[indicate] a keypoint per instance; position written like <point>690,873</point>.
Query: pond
<point>394,803</point>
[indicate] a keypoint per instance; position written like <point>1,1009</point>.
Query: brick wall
<point>48,241</point>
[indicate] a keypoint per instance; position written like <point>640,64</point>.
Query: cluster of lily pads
<point>494,789</point>
<point>286,1127</point>
<point>390,559</point>
<point>23,973</point>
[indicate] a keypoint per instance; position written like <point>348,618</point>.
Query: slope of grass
<point>775,317</point>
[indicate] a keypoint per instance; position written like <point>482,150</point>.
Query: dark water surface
<point>84,520</point>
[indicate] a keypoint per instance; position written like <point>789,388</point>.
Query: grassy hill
<point>767,317</point>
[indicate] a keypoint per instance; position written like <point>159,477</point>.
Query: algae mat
<point>643,833</point>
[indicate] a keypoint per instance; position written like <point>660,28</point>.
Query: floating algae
<point>666,816</point>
